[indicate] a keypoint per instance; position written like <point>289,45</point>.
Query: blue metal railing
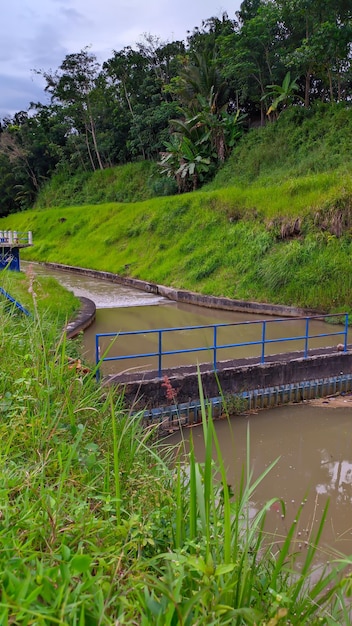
<point>17,304</point>
<point>262,342</point>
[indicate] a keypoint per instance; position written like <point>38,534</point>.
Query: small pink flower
<point>171,393</point>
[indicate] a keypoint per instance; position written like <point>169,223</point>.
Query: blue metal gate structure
<point>11,242</point>
<point>263,342</point>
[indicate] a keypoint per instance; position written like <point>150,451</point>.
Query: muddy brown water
<point>313,443</point>
<point>175,315</point>
<point>313,448</point>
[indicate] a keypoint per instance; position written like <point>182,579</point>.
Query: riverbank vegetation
<point>102,525</point>
<point>48,296</point>
<point>273,226</point>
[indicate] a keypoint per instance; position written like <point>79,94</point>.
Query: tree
<point>140,82</point>
<point>184,161</point>
<point>317,44</point>
<point>30,151</point>
<point>205,131</point>
<point>251,57</point>
<point>74,87</point>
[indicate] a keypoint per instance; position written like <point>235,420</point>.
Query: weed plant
<point>100,526</point>
<point>79,485</point>
<point>221,568</point>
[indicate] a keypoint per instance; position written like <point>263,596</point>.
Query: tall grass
<point>302,141</point>
<point>125,183</point>
<point>72,521</point>
<point>221,568</point>
<point>101,526</point>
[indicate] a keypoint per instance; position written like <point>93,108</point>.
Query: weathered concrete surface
<point>189,297</point>
<point>84,318</point>
<point>232,378</point>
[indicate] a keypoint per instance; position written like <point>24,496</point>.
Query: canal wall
<point>284,378</point>
<point>190,297</point>
<point>83,319</point>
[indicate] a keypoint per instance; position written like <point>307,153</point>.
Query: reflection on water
<point>340,479</point>
<point>313,446</point>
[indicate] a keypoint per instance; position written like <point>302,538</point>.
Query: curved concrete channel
<point>283,378</point>
<point>312,443</point>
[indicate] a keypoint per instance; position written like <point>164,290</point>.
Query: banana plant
<point>183,161</point>
<point>282,94</point>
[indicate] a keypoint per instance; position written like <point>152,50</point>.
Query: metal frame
<point>263,342</point>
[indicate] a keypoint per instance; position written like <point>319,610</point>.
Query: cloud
<point>38,35</point>
<point>21,91</point>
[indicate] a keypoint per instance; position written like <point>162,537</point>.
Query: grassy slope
<point>275,235</point>
<point>98,527</point>
<point>131,182</point>
<point>50,298</point>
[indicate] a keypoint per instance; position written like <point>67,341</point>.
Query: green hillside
<point>125,183</point>
<point>274,225</point>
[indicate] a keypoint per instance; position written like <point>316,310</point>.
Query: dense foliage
<point>182,103</point>
<point>274,225</point>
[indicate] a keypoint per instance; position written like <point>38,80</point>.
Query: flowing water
<point>121,308</point>
<point>313,444</point>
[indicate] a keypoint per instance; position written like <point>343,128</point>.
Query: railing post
<point>214,348</point>
<point>97,358</point>
<point>160,353</point>
<point>262,360</point>
<point>306,338</point>
<point>30,238</point>
<point>346,333</point>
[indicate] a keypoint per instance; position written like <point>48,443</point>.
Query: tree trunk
<point>307,89</point>
<point>330,86</point>
<point>92,130</point>
<point>89,150</point>
<point>131,111</point>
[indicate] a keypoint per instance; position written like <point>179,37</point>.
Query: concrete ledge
<point>283,369</point>
<point>190,297</point>
<point>83,319</point>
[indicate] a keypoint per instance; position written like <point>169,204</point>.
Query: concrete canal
<point>313,441</point>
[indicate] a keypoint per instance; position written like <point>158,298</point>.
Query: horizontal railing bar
<point>215,347</point>
<point>131,356</point>
<point>148,331</point>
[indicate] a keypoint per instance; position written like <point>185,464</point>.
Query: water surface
<point>313,448</point>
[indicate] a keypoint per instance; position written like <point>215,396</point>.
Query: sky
<point>38,34</point>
